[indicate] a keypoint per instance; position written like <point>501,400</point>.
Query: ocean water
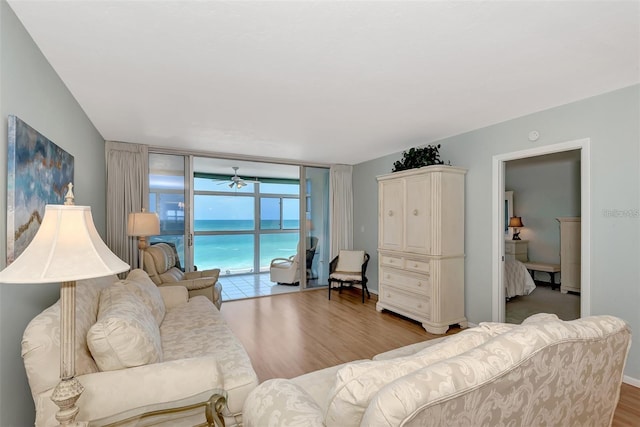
<point>233,253</point>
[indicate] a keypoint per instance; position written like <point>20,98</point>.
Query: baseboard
<point>631,381</point>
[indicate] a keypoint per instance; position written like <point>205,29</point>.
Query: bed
<point>517,280</point>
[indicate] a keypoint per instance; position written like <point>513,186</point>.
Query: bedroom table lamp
<point>66,248</point>
<point>142,225</point>
<point>515,222</point>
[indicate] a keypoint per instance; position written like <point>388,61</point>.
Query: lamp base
<point>142,245</point>
<point>65,395</point>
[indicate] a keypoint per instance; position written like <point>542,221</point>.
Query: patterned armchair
<point>160,265</point>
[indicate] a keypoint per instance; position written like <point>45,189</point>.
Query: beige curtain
<point>341,205</point>
<point>127,182</point>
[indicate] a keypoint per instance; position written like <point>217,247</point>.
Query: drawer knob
<point>419,305</point>
<point>391,261</point>
<point>388,276</point>
<point>415,212</point>
<point>415,265</point>
<point>390,213</point>
<point>419,284</point>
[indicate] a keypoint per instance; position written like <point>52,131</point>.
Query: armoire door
<point>418,214</point>
<point>391,214</point>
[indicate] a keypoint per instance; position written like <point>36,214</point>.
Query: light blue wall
<point>611,121</point>
<point>31,90</point>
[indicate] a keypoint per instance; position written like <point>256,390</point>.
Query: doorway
<point>499,221</point>
<point>543,191</point>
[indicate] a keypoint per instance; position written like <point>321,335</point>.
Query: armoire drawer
<point>392,261</point>
<point>419,284</point>
<point>417,304</point>
<point>416,265</point>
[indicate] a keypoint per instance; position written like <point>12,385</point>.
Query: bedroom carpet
<point>543,300</point>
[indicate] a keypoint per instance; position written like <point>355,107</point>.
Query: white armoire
<point>570,244</point>
<point>421,246</point>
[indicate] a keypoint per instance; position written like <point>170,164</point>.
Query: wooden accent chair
<point>349,268</point>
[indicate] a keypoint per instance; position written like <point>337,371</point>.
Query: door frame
<point>498,188</point>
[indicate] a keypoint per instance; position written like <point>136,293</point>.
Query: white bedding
<point>517,280</point>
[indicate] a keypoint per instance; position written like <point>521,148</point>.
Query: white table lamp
<point>66,248</point>
<point>141,225</point>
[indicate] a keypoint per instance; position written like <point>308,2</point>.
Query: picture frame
<point>38,173</point>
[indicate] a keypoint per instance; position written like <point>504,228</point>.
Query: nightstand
<point>516,249</point>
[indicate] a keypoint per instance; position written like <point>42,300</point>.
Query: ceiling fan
<point>237,181</point>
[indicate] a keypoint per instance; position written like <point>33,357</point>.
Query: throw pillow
<point>125,334</point>
<point>357,383</point>
<point>142,285</point>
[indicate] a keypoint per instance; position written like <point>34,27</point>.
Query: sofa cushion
<point>140,283</point>
<point>540,317</point>
<point>196,329</point>
<point>126,333</point>
<point>543,373</point>
<point>357,383</point>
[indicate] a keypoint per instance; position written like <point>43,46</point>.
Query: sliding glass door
<point>167,195</point>
<point>239,216</point>
<point>316,231</point>
<point>243,222</point>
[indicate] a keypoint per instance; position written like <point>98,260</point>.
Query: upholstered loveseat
<point>543,372</point>
<point>137,346</point>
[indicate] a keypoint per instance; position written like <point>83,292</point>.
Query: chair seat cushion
<point>346,277</point>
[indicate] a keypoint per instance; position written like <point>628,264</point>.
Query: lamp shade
<point>515,221</point>
<point>143,224</point>
<point>66,247</point>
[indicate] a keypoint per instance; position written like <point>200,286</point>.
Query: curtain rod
<point>216,155</point>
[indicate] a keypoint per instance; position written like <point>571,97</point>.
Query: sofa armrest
<point>280,402</point>
<point>208,405</point>
<point>114,392</point>
<point>174,295</point>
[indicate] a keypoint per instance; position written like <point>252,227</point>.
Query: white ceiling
<point>327,81</point>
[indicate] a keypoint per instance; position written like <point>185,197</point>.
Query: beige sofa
<point>138,346</point>
<point>543,372</point>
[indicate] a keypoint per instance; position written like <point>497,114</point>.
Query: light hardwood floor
<point>292,334</point>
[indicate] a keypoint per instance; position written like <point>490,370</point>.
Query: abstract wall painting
<point>38,172</point>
